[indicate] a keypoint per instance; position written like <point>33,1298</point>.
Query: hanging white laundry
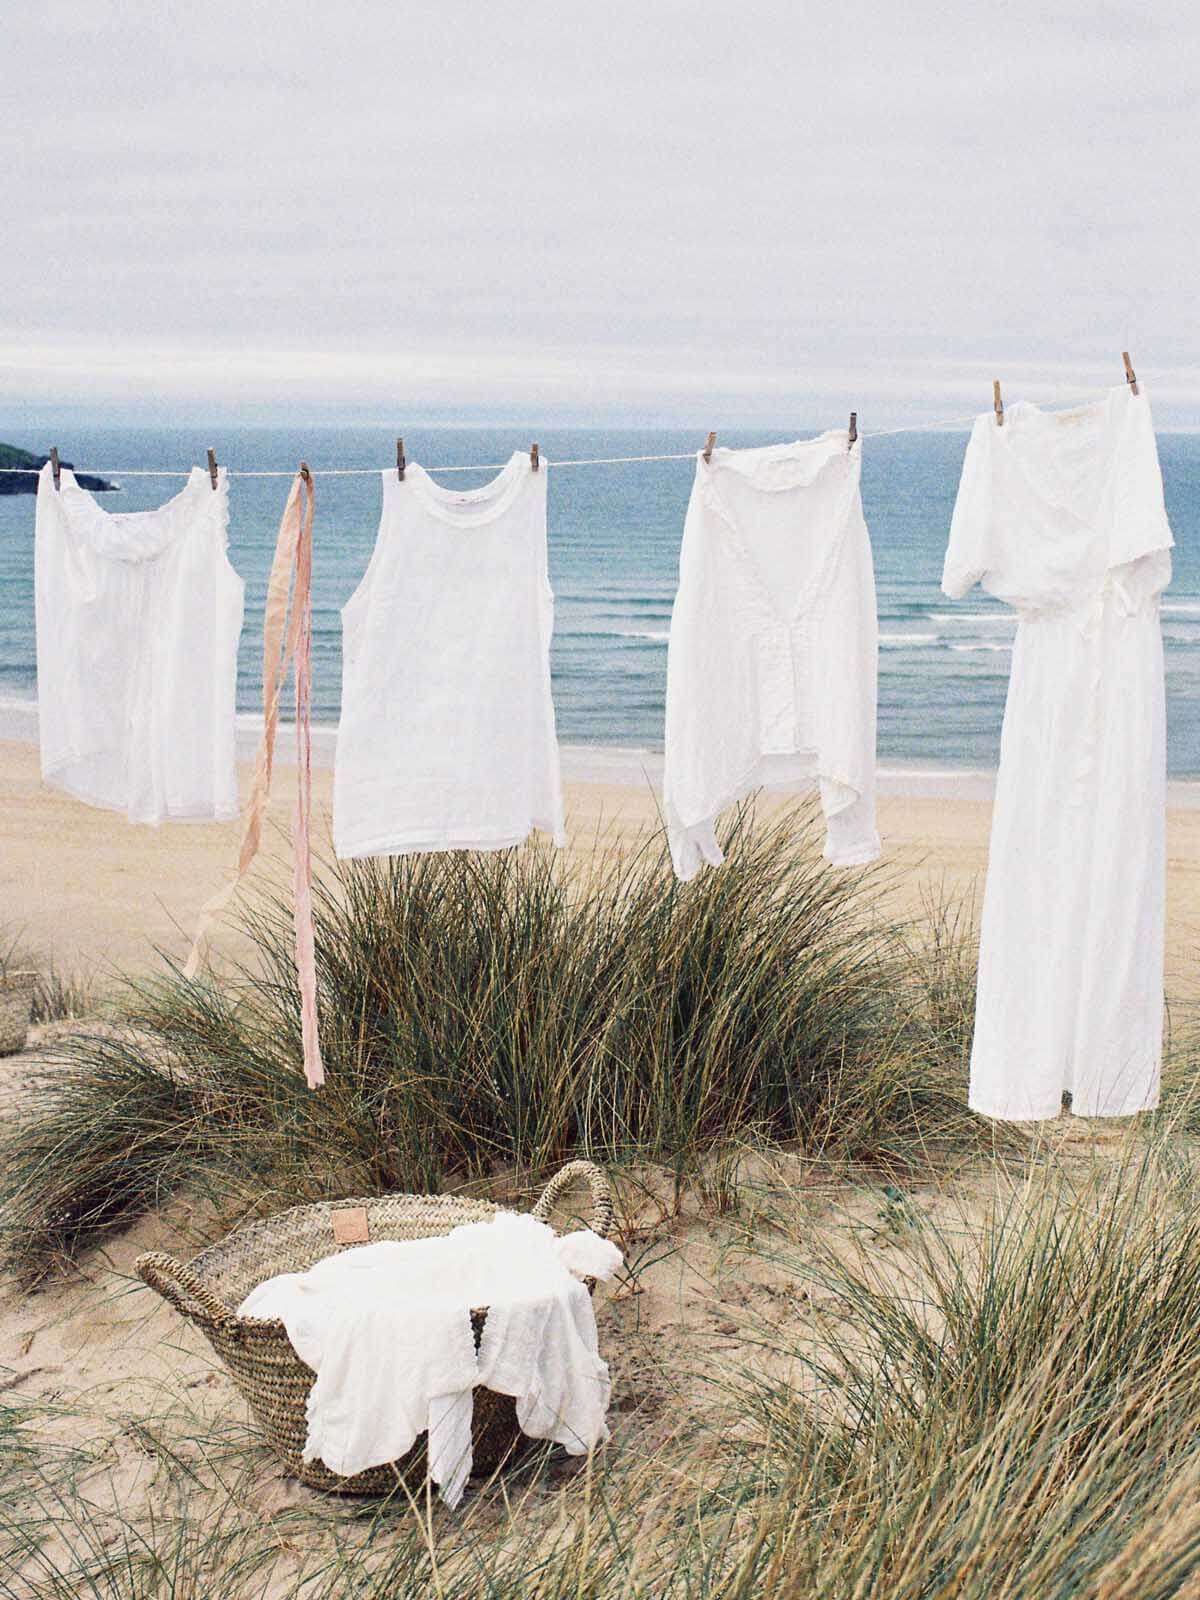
<point>447,737</point>
<point>138,619</point>
<point>387,1330</point>
<point>1061,516</point>
<point>773,656</point>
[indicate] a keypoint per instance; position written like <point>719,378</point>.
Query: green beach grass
<point>494,1015</point>
<point>1000,1409</point>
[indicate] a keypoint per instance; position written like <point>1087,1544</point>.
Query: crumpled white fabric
<point>539,1342</point>
<point>773,654</point>
<point>386,1327</point>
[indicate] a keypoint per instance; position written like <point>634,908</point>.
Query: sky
<point>691,214</point>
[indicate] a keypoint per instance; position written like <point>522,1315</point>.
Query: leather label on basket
<point>350,1225</point>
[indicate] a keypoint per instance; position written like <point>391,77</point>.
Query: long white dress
<point>773,657</point>
<point>1061,516</point>
<point>447,738</point>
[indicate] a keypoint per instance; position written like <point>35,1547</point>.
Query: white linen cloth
<point>772,662</point>
<point>386,1327</point>
<point>138,619</point>
<point>447,738</point>
<point>1061,516</point>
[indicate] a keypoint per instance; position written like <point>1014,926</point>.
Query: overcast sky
<point>692,213</point>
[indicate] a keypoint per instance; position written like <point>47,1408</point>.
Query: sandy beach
<point>102,897</point>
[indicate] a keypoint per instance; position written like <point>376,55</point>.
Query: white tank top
<point>447,735</point>
<point>138,619</point>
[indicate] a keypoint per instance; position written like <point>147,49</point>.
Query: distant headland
<point>25,479</point>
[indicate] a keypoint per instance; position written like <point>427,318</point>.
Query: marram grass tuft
<point>498,1013</point>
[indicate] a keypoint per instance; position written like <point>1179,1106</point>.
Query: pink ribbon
<point>286,638</point>
<point>306,966</point>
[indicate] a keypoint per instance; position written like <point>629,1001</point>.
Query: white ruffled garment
<point>139,614</point>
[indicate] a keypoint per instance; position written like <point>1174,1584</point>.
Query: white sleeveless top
<point>447,737</point>
<point>772,661</point>
<point>138,619</point>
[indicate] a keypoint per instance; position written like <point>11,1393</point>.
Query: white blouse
<point>773,654</point>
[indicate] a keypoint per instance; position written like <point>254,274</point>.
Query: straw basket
<point>261,1361</point>
<point>16,1004</point>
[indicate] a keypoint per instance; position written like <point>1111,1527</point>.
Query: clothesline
<point>486,466</point>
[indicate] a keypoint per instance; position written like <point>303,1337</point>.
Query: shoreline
<point>83,887</point>
<point>622,766</point>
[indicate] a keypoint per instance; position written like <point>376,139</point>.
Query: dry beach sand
<point>102,897</point>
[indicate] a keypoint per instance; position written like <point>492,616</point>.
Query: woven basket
<point>16,1004</point>
<point>257,1352</point>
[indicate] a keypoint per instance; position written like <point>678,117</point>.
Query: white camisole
<point>447,737</point>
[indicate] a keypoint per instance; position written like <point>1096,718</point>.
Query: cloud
<point>634,206</point>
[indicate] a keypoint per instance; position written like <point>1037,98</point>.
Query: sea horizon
<point>614,535</point>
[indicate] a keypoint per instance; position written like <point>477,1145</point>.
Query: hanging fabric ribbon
<point>306,966</point>
<point>287,638</point>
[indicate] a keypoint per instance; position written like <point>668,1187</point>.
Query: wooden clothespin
<point>54,466</point>
<point>710,444</point>
<point>400,461</point>
<point>1130,375</point>
<point>853,429</point>
<point>997,403</point>
<point>534,457</point>
<point>212,467</point>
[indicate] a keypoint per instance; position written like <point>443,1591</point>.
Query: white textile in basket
<point>387,1329</point>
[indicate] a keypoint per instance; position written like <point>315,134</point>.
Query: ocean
<point>614,546</point>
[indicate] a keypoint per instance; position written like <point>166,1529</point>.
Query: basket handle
<point>180,1287</point>
<point>598,1184</point>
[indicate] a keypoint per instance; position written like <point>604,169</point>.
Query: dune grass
<point>998,1407</point>
<point>59,995</point>
<point>993,1405</point>
<point>1017,1415</point>
<point>495,1015</point>
<point>62,996</point>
